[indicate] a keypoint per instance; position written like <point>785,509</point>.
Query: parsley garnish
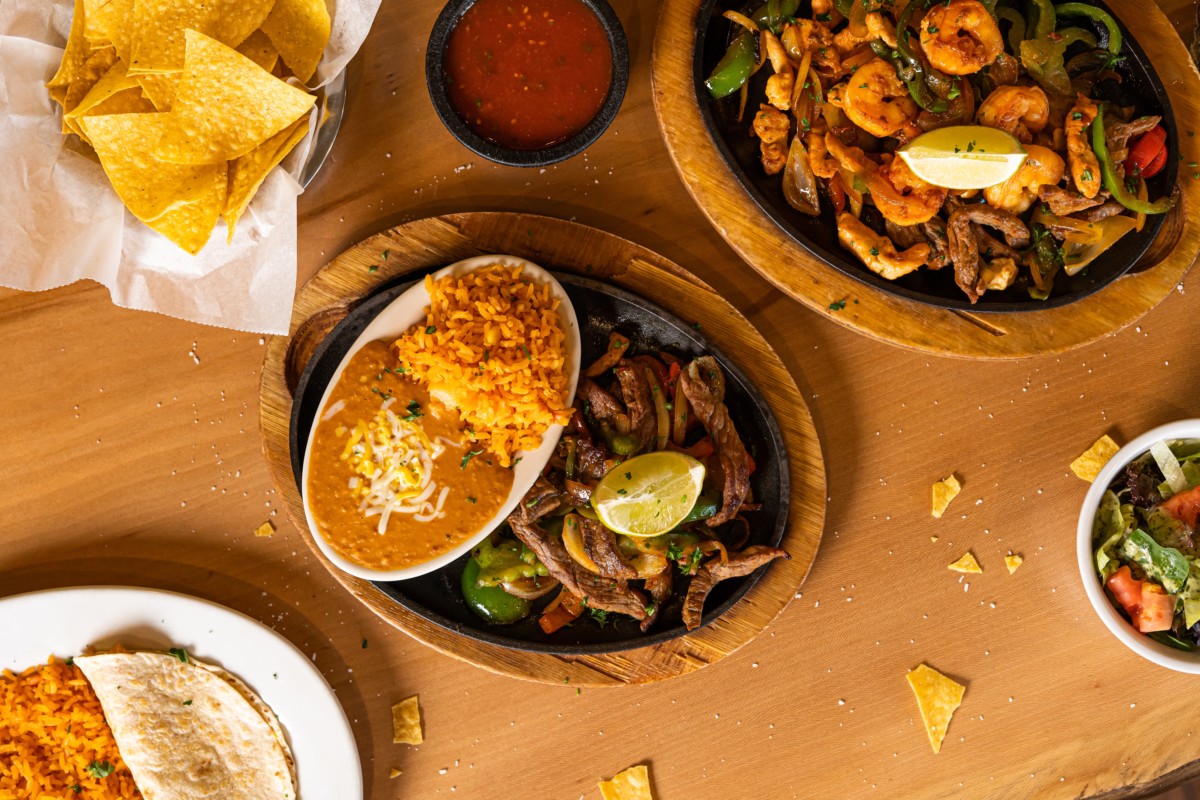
<point>100,769</point>
<point>179,653</point>
<point>1077,115</point>
<point>650,609</point>
<point>385,254</point>
<point>628,476</point>
<point>414,411</point>
<point>932,29</point>
<point>826,17</point>
<point>372,268</point>
<point>621,491</point>
<point>970,145</point>
<point>1087,174</point>
<point>431,329</point>
<point>874,251</point>
<point>187,702</point>
<point>470,454</point>
<point>600,615</point>
<point>76,788</point>
<point>471,500</point>
<point>953,93</point>
<point>694,561</point>
<point>674,552</point>
<point>837,305</point>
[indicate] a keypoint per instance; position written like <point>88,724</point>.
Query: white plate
<point>64,622</point>
<point>402,314</point>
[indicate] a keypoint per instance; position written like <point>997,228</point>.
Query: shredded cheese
<point>393,460</point>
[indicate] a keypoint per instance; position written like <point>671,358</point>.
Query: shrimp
<point>960,37</point>
<point>878,27</point>
<point>772,127</point>
<point>875,100</point>
<point>878,252</point>
<point>902,197</point>
<point>779,89</point>
<point>1085,168</point>
<point>1020,110</point>
<point>1042,167</point>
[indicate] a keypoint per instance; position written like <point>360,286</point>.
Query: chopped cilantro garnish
<point>874,251</point>
<point>364,644</point>
<point>101,769</point>
<point>179,653</point>
<point>471,500</point>
<point>621,491</point>
<point>385,254</point>
<point>373,268</point>
<point>470,454</point>
<point>431,329</point>
<point>187,702</point>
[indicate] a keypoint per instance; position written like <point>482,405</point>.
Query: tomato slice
<point>1158,609</point>
<point>1127,590</point>
<point>1146,151</point>
<point>1184,506</point>
<point>1148,605</point>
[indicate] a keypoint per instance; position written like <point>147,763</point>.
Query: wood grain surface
<point>885,316</point>
<point>130,455</point>
<point>561,246</point>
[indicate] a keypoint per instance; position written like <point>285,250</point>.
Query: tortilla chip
<point>160,88</point>
<point>937,699</point>
<point>1088,465</point>
<point>113,81</point>
<point>179,201</point>
<point>226,106</point>
<point>632,784</point>
<point>247,173</point>
<point>300,30</point>
<point>967,564</point>
<point>943,493</point>
<point>258,48</point>
<point>99,63</point>
<point>406,722</point>
<point>264,530</point>
<point>73,58</point>
<point>394,773</point>
<point>1012,561</point>
<point>107,23</point>
<point>159,43</point>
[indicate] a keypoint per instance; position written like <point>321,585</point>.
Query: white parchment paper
<point>61,221</point>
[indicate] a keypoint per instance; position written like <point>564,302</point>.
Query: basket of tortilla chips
<point>189,105</point>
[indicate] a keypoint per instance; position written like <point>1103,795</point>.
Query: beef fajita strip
<point>607,594</point>
<point>704,386</point>
<point>639,401</point>
<point>660,587</point>
<point>715,571</point>
<point>601,546</point>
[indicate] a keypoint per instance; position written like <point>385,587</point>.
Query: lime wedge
<point>964,156</point>
<point>650,494</point>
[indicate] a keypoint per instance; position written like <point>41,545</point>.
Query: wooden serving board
<point>569,247</point>
<point>780,259</point>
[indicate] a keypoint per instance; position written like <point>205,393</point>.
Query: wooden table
<point>131,456</point>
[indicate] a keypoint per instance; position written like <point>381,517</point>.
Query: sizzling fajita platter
<point>622,476</point>
<point>113,692</point>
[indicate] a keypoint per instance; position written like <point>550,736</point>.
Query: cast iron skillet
<point>601,308</point>
<point>1141,89</point>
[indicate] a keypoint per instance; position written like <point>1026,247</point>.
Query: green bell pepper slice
<point>1096,14</point>
<point>491,602</point>
<point>1114,183</point>
<point>735,67</point>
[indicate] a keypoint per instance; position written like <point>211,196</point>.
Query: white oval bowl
<point>402,314</point>
<point>1120,627</point>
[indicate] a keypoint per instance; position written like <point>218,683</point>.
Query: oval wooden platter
<point>780,259</point>
<point>570,247</point>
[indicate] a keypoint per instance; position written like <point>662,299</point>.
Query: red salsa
<point>527,75</point>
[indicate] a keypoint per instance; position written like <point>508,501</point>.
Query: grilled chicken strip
<point>714,571</point>
<point>704,386</point>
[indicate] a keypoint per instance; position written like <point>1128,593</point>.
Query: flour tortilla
<point>190,731</point>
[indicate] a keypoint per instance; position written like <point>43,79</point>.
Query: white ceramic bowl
<point>1139,643</point>
<point>402,314</point>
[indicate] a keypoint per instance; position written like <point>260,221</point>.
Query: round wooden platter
<point>565,246</point>
<point>879,314</point>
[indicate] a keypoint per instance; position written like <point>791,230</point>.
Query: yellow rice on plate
<point>492,347</point>
<point>51,729</point>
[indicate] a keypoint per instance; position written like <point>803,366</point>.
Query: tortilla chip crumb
<point>943,493</point>
<point>1088,465</point>
<point>1012,561</point>
<point>406,722</point>
<point>395,773</point>
<point>631,784</point>
<point>933,538</point>
<point>264,530</point>
<point>967,564</point>
<point>937,698</point>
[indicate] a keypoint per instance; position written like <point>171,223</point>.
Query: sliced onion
<point>799,182</point>
<point>1077,256</point>
<point>530,588</point>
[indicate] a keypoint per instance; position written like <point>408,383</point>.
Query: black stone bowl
<point>818,235</point>
<point>435,79</point>
<point>601,308</point>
